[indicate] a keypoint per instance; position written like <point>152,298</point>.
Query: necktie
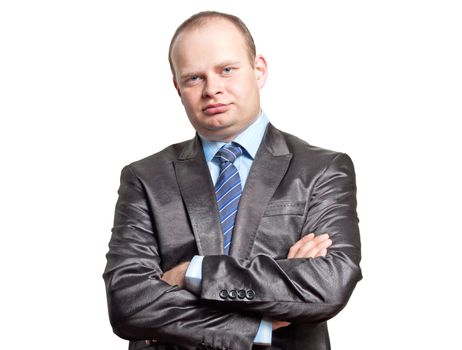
<point>228,190</point>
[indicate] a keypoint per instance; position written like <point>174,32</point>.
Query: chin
<point>217,133</point>
<point>219,121</point>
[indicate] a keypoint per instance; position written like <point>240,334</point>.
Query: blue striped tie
<point>228,190</point>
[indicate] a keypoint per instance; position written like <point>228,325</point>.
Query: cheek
<point>241,89</point>
<point>246,90</point>
<point>190,100</point>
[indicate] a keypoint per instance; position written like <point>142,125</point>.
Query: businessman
<point>244,236</point>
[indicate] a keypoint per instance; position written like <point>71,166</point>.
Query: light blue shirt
<point>250,140</point>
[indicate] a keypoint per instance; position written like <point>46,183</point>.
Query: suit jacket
<point>166,213</point>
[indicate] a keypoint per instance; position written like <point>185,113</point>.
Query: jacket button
<point>224,294</point>
<point>241,293</point>
<point>250,294</point>
<point>232,294</point>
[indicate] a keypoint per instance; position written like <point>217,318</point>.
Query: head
<point>217,74</point>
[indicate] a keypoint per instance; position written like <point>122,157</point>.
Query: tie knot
<point>229,153</point>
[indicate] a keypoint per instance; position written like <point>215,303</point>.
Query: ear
<point>261,70</point>
<point>175,83</point>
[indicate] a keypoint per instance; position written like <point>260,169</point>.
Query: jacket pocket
<point>275,208</point>
<point>279,228</point>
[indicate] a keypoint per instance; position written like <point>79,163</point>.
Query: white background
<point>85,88</point>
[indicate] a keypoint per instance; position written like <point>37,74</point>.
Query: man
<point>242,237</point>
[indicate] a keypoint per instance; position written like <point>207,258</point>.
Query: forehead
<point>214,41</point>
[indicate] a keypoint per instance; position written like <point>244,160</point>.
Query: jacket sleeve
<point>142,306</point>
<point>299,290</point>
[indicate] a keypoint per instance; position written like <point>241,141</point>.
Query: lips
<point>215,108</point>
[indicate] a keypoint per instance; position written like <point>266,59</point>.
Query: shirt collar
<point>249,139</point>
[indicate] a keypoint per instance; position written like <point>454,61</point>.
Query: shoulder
<point>314,162</point>
<point>304,152</point>
<point>161,161</point>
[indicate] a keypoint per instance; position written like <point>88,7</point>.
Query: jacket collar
<point>196,187</point>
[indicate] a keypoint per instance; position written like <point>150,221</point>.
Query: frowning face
<point>218,85</point>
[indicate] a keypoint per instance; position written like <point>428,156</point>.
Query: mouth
<point>215,108</point>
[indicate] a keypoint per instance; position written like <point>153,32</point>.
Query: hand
<point>175,276</point>
<point>310,246</point>
<point>280,324</point>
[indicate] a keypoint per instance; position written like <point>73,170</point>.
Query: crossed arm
<point>146,303</point>
<point>309,246</point>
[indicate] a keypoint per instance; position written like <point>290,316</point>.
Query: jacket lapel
<point>196,187</point>
<point>268,169</point>
<point>198,193</point>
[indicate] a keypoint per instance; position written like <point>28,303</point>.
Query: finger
<point>304,249</point>
<point>321,237</point>
<point>314,251</point>
<point>168,277</point>
<point>311,249</point>
<point>280,324</point>
<point>324,244</point>
<point>321,253</point>
<point>293,250</point>
<point>295,247</point>
<point>320,248</point>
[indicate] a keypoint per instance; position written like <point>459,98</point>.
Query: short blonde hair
<point>201,18</point>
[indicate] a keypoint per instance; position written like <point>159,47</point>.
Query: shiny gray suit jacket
<point>166,213</point>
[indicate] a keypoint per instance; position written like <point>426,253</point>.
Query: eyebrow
<point>228,63</point>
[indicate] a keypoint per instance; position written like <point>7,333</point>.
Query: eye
<point>228,70</point>
<point>192,80</point>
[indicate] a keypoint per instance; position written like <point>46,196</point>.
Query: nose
<point>213,86</point>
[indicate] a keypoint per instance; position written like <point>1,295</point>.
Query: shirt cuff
<point>193,275</point>
<point>264,333</point>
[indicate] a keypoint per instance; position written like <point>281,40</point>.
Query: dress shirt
<point>250,140</point>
